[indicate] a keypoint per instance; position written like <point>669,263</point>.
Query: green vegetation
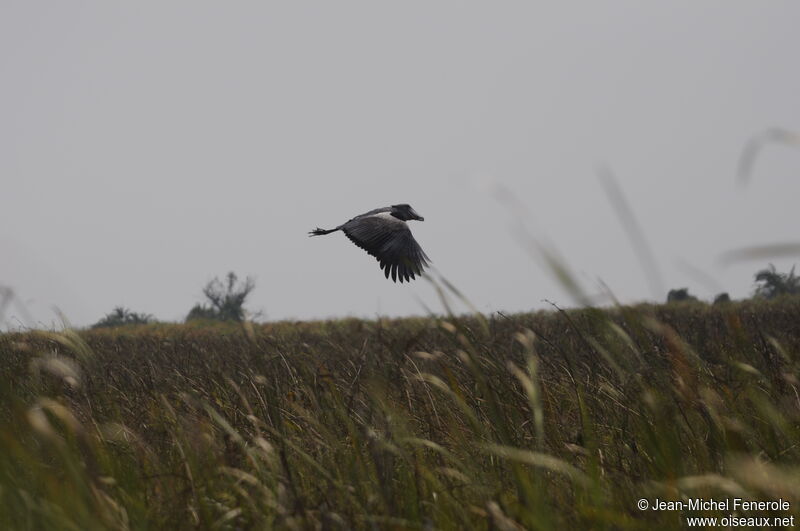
<point>680,295</point>
<point>121,316</point>
<point>773,284</point>
<point>549,420</point>
<point>225,301</point>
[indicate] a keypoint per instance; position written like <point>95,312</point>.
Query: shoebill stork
<point>384,234</point>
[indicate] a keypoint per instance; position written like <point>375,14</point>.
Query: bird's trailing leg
<point>321,232</point>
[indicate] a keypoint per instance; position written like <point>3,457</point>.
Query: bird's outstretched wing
<point>389,240</point>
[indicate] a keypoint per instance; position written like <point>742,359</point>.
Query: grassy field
<point>553,420</point>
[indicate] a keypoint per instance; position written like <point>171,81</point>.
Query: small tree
<point>772,284</point>
<point>680,295</point>
<point>226,300</point>
<point>121,316</point>
<point>722,298</point>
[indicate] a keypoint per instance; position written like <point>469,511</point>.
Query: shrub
<point>773,284</point>
<point>226,301</point>
<point>679,295</point>
<point>121,316</point>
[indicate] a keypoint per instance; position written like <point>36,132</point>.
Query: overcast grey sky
<point>146,147</point>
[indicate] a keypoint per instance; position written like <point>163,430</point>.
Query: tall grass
<point>536,421</point>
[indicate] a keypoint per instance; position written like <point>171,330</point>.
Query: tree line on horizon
<point>225,299</point>
<point>770,284</point>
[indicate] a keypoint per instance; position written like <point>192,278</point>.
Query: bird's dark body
<point>384,234</point>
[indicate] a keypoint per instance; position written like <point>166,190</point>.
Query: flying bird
<point>384,234</point>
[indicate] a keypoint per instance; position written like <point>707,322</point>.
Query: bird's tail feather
<point>320,232</point>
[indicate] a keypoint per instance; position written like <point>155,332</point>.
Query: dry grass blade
<point>634,231</point>
<point>541,460</point>
<point>713,481</point>
<point>760,252</point>
<point>756,144</point>
<point>61,367</point>
<point>772,480</point>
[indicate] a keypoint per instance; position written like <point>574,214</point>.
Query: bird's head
<point>405,212</point>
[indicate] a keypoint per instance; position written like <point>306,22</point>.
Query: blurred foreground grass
<point>539,421</point>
